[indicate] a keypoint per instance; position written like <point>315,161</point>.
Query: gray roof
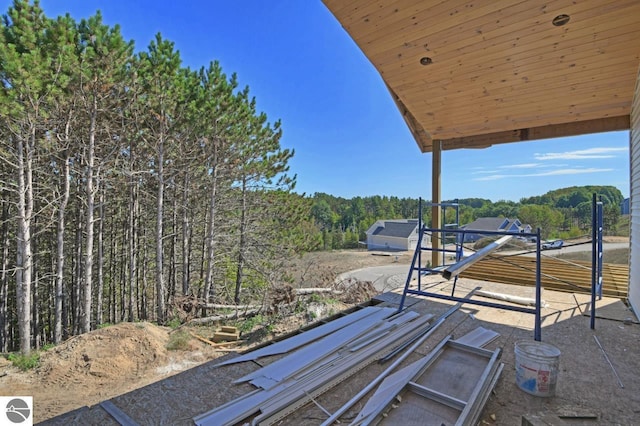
<point>396,229</point>
<point>487,224</point>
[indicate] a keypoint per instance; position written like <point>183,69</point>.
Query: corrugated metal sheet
<point>300,376</point>
<point>299,340</point>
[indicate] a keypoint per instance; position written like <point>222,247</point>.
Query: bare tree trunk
<point>76,280</point>
<point>100,289</point>
<point>4,280</point>
<point>173,271</point>
<point>59,289</point>
<point>143,289</point>
<point>160,284</point>
<point>35,294</point>
<point>24,255</point>
<point>243,242</point>
<point>85,322</point>
<point>185,235</point>
<point>133,249</point>
<point>122,275</point>
<point>113,271</point>
<point>203,254</point>
<point>209,285</point>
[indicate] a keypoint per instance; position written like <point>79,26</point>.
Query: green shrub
<point>315,298</point>
<point>174,323</point>
<point>25,362</point>
<point>249,324</point>
<point>179,341</point>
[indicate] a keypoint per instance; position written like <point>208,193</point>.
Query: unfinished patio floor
<point>588,391</point>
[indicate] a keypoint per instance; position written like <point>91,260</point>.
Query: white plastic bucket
<point>537,366</point>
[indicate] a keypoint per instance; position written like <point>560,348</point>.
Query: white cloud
<point>484,172</point>
<point>569,172</point>
<point>521,166</point>
<point>583,154</point>
<point>492,177</point>
<point>549,173</point>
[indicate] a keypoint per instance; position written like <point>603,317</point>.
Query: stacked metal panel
<point>292,381</point>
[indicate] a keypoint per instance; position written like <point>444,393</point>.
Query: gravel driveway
<point>384,278</point>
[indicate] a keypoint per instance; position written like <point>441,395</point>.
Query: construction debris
<point>552,419</point>
<point>287,384</point>
<point>457,268</point>
<point>226,334</point>
<point>526,301</point>
<point>606,357</point>
<point>448,386</point>
<point>478,337</point>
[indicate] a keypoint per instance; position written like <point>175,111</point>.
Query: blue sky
<point>336,112</point>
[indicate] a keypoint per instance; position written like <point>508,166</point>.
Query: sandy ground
<point>111,361</point>
<point>89,368</point>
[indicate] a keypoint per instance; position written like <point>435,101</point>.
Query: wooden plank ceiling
<point>472,73</point>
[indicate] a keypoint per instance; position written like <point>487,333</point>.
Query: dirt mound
<point>355,291</point>
<point>99,365</point>
<point>126,349</point>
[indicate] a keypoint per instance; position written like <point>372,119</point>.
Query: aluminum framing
<point>406,379</point>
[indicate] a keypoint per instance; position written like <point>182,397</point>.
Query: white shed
<point>397,234</point>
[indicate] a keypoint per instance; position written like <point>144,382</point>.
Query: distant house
<point>625,207</point>
<point>492,224</point>
<point>398,234</point>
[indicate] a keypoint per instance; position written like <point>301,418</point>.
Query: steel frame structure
<point>417,267</point>
<point>597,222</point>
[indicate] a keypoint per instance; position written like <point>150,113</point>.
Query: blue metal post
<point>594,260</point>
<point>419,247</point>
<point>537,332</point>
<point>458,252</point>
<point>600,226</point>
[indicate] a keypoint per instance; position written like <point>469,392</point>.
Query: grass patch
<point>174,323</point>
<point>25,362</point>
<point>179,341</point>
<point>615,256</point>
<point>249,324</point>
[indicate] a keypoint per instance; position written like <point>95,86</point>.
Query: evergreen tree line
<point>562,213</point>
<point>128,179</point>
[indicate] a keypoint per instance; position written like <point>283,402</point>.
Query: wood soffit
<point>476,73</point>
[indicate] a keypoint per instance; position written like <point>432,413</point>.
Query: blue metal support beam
<point>416,266</point>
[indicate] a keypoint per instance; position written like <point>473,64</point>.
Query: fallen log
<point>214,318</point>
<point>220,306</point>
<point>312,290</point>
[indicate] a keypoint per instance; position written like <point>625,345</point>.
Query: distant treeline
<point>561,213</point>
